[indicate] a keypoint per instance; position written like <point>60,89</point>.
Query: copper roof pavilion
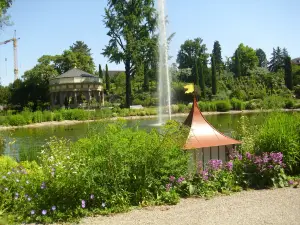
<point>202,133</point>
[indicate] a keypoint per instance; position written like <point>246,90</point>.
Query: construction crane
<point>15,44</point>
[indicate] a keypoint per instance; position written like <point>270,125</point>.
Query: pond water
<point>31,139</point>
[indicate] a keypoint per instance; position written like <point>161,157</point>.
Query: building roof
<point>296,61</point>
<point>202,133</point>
<point>75,73</point>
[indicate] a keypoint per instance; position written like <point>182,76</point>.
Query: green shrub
<point>48,116</point>
<point>174,108</point>
<point>273,102</point>
<point>109,173</point>
<point>2,145</point>
<point>58,116</point>
<point>37,117</point>
<point>254,104</point>
<point>28,116</point>
<point>182,108</point>
<point>281,133</point>
<point>16,120</point>
<point>289,103</point>
<point>223,106</point>
<point>237,104</point>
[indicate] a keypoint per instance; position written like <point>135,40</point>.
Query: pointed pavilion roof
<point>202,133</point>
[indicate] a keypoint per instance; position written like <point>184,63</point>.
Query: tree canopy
<point>130,24</point>
<point>262,58</point>
<point>4,18</point>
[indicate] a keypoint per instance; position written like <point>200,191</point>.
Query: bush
<point>289,103</point>
<point>254,104</point>
<point>107,173</point>
<point>16,120</point>
<point>281,132</point>
<point>223,106</point>
<point>259,171</point>
<point>37,117</point>
<point>237,104</point>
<point>273,102</point>
<point>58,116</point>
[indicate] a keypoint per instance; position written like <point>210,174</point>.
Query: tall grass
<point>281,132</point>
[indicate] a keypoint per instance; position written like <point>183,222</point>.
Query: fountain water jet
<point>164,89</point>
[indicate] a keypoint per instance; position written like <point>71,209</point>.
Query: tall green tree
<point>189,51</point>
<point>277,59</point>
<point>237,64</point>
<point>262,58</point>
<point>201,77</point>
<point>247,59</point>
<point>146,76</point>
<point>129,24</point>
<point>288,72</point>
<point>107,79</point>
<point>197,82</point>
<point>214,78</point>
<point>4,18</point>
<point>80,46</point>
<point>69,60</point>
<point>100,72</point>
<point>217,55</point>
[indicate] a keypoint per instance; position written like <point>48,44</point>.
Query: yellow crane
<point>15,44</point>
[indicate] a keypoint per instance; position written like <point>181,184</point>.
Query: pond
<point>24,140</point>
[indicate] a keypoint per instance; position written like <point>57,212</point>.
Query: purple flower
<point>168,186</point>
<point>92,196</point>
<point>44,211</point>
<point>172,178</point>
<point>229,165</point>
<point>215,164</point>
<point>248,155</point>
<point>32,212</point>
<point>53,208</point>
<point>43,186</point>
<point>205,175</point>
<point>82,203</point>
<point>291,182</point>
<point>180,179</point>
<point>103,204</point>
<point>240,157</point>
<point>270,166</point>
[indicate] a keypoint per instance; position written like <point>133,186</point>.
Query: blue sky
<point>51,26</point>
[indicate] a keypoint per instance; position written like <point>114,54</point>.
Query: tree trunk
<point>128,83</point>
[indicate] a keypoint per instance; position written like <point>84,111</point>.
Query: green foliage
<point>217,55</point>
<point>262,58</point>
<point>245,60</point>
<point>237,104</point>
<point>111,172</point>
<point>277,59</point>
<point>107,79</point>
<point>214,78</point>
<point>223,106</point>
<point>127,43</point>
<point>280,132</point>
<point>288,73</point>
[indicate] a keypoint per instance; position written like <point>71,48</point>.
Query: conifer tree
<point>201,77</point>
<point>237,64</point>
<point>100,73</point>
<point>288,72</point>
<point>214,79</point>
<point>107,78</point>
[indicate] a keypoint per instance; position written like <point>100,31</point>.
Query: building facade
<point>76,88</point>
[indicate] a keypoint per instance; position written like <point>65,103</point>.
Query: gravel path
<point>279,206</point>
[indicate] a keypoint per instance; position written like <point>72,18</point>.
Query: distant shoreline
<point>73,122</point>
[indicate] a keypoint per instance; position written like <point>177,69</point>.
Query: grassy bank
<point>121,168</point>
<point>11,118</point>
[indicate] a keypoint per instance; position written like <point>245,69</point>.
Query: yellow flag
<point>190,88</point>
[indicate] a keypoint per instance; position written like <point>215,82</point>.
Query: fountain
<point>164,89</point>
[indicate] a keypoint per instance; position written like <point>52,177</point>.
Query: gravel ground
<point>278,206</point>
